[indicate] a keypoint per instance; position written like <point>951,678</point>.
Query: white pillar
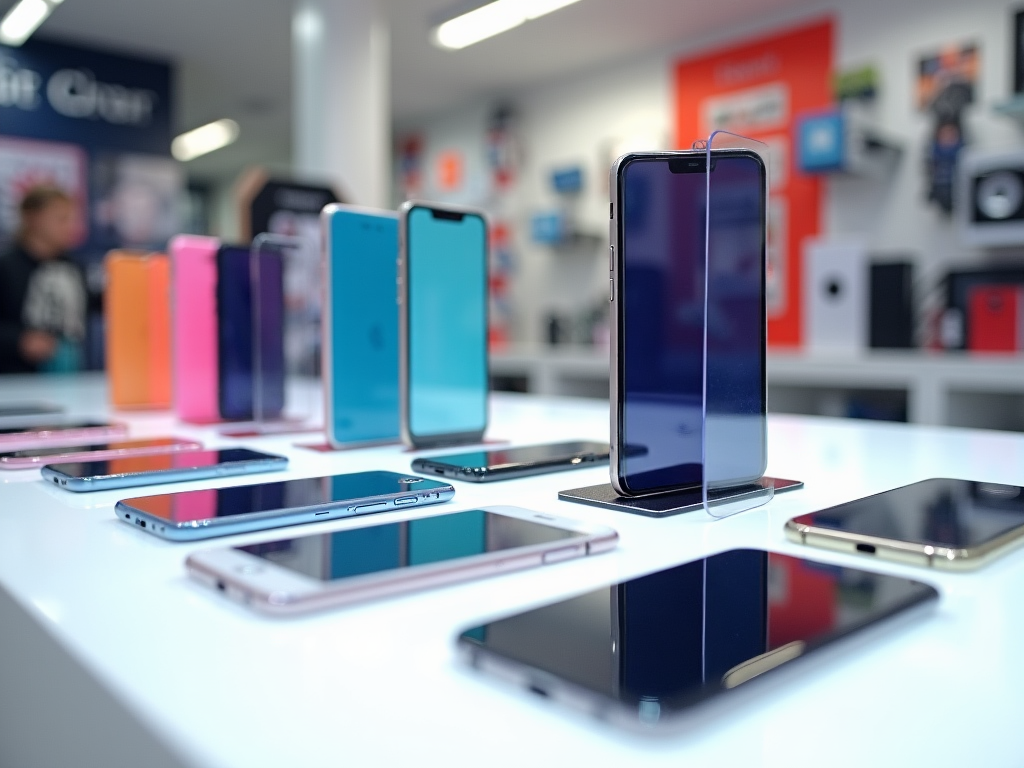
<point>341,117</point>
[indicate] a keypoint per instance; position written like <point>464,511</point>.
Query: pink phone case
<point>40,437</point>
<point>127,449</point>
<point>194,326</point>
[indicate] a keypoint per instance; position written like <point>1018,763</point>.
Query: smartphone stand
<point>666,504</point>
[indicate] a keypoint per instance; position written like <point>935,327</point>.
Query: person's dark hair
<point>40,197</point>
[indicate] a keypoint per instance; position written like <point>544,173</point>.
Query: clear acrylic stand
<point>734,425</point>
<point>287,309</point>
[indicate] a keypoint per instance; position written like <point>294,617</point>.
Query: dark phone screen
<point>940,512</point>
<point>264,497</point>
<point>122,445</point>
<point>360,551</point>
<point>139,465</point>
<point>235,321</point>
<point>527,455</point>
<point>447,322</point>
<point>31,431</point>
<point>661,346</point>
<point>662,642</point>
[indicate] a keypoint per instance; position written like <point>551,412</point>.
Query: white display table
<point>110,656</point>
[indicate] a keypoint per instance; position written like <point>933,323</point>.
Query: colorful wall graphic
<point>757,89</point>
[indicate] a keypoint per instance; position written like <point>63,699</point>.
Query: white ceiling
<point>234,55</point>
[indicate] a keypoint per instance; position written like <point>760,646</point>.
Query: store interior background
<point>574,89</point>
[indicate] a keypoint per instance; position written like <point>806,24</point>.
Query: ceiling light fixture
<point>23,19</point>
<point>204,139</point>
<point>490,20</point>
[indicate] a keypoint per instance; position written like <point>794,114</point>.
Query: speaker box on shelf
<point>959,284</point>
<point>990,197</point>
<point>891,317</point>
<point>995,318</point>
<point>835,296</point>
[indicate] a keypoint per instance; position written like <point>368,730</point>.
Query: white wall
<point>577,120</point>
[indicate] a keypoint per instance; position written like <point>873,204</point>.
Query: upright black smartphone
<point>642,652</point>
<point>506,463</point>
<point>657,270</point>
<point>237,374</point>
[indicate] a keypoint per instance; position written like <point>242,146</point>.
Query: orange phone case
<point>138,329</point>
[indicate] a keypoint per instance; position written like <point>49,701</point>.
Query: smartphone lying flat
<point>37,457</point>
<point>942,523</point>
<point>330,569</point>
<point>504,464</point>
<point>641,653</point>
<point>223,511</point>
<point>134,471</point>
<point>68,433</point>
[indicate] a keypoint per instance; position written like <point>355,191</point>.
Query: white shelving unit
<point>953,389</point>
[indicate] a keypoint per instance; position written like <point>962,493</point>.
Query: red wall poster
<point>757,89</point>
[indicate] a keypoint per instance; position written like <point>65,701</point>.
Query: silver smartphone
<point>134,471</point>
<point>941,523</point>
<point>443,360</point>
<point>329,569</point>
<point>192,515</point>
<point>658,232</point>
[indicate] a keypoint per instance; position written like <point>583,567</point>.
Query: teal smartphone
<point>443,325</point>
<point>360,327</point>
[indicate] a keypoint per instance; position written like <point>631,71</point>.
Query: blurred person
<point>42,292</point>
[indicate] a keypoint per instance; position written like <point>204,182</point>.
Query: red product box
<point>995,318</point>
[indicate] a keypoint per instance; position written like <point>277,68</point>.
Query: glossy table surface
<point>380,685</point>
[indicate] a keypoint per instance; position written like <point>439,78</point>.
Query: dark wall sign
<point>67,93</point>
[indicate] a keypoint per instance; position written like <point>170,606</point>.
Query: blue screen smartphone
<point>658,233</point>
<point>223,511</point>
<point>443,324</point>
<point>360,327</point>
<point>235,323</point>
<point>134,471</point>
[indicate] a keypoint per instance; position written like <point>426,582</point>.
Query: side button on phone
<point>611,289</point>
<point>557,555</point>
<point>362,510</point>
<point>405,500</point>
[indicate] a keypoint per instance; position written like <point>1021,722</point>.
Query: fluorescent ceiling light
<point>204,139</point>
<point>492,19</point>
<point>23,19</point>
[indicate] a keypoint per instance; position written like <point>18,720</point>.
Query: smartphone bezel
<point>408,436</point>
<point>271,588</point>
<point>619,480</point>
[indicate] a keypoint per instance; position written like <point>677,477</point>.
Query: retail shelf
<point>955,389</point>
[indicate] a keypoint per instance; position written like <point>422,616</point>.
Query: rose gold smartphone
<point>69,433</point>
<point>298,575</point>
<point>37,457</point>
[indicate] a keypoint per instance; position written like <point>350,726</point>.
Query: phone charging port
<point>866,548</point>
